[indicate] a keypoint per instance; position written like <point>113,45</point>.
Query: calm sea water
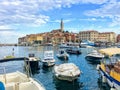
<point>89,79</point>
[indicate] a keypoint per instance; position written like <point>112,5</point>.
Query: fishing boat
<point>73,50</point>
<point>67,71</point>
<point>62,54</point>
<point>32,61</point>
<point>48,59</point>
<point>19,81</point>
<point>94,56</point>
<point>110,70</point>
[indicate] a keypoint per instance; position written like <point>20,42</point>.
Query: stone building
<point>96,36</point>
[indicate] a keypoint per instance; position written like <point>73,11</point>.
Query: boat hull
<point>48,64</point>
<point>110,80</point>
<point>63,57</point>
<point>93,59</point>
<point>73,52</point>
<point>33,64</point>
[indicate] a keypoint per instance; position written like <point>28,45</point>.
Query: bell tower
<point>62,25</point>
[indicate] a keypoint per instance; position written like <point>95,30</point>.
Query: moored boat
<point>19,81</point>
<point>67,71</point>
<point>32,61</point>
<point>110,70</point>
<point>94,56</point>
<point>73,50</point>
<point>62,54</point>
<point>48,59</point>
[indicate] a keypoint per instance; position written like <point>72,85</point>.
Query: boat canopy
<point>110,51</point>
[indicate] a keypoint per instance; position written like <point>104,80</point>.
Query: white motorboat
<point>19,81</point>
<point>67,71</point>
<point>62,54</point>
<point>48,58</point>
<point>94,56</point>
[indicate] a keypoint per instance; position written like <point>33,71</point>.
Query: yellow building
<point>107,37</point>
<point>31,39</point>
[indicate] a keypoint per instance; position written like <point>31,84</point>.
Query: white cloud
<point>94,1</point>
<point>28,11</point>
<point>109,10</point>
<point>91,19</point>
<point>4,27</point>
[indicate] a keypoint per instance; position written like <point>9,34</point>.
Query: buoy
<point>98,67</point>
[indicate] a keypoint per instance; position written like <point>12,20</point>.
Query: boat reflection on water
<point>46,69</point>
<point>32,70</point>
<point>66,85</point>
<point>101,85</point>
<point>35,71</point>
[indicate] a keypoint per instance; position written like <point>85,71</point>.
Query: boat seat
<point>10,86</point>
<point>13,79</point>
<point>16,79</point>
<point>2,79</point>
<point>27,86</point>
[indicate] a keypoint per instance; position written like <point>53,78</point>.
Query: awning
<point>110,51</point>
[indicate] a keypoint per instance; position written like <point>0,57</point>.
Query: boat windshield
<point>31,55</point>
<point>48,55</point>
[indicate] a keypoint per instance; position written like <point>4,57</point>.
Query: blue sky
<point>21,17</point>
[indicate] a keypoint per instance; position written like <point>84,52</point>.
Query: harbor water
<point>88,80</point>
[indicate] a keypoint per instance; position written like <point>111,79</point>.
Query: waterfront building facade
<point>56,36</point>
<point>107,37</point>
<point>96,36</point>
<point>31,39</point>
<point>59,36</point>
<point>91,35</point>
<point>118,38</point>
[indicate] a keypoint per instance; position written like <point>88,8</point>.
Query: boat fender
<point>2,86</point>
<point>98,67</point>
<point>57,75</point>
